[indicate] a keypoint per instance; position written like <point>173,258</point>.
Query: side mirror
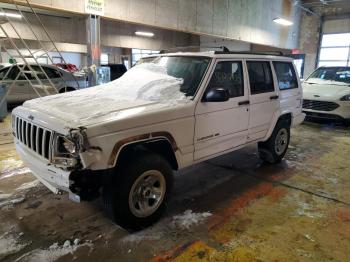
<point>217,94</point>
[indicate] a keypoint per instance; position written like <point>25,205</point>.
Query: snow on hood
<point>143,85</point>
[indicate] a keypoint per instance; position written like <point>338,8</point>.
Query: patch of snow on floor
<point>52,253</point>
<point>147,234</point>
<point>10,202</point>
<point>9,245</point>
<point>10,163</point>
<point>189,219</point>
<point>15,172</point>
<point>4,197</point>
<point>28,185</point>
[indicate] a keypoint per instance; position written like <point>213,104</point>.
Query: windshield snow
<point>330,75</point>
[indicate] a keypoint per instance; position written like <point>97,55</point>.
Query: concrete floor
<point>232,208</point>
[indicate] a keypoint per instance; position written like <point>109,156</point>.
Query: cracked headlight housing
<point>66,146</point>
<point>70,146</point>
<point>66,151</point>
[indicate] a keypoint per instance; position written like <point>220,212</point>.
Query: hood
<point>325,90</point>
<point>144,88</point>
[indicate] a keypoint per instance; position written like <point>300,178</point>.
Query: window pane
<point>332,63</point>
<point>336,40</point>
<point>285,75</point>
<point>260,77</point>
<point>334,53</point>
<point>228,75</point>
<point>339,74</point>
<point>104,59</point>
<point>51,73</point>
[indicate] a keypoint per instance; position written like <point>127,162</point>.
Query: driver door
<point>221,126</point>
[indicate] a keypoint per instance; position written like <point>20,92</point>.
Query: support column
<point>93,47</point>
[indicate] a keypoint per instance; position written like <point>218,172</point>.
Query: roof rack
<point>276,53</point>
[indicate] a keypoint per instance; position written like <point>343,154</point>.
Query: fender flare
<point>275,119</point>
<point>140,138</point>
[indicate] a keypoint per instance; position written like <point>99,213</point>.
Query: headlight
<point>65,146</point>
<point>69,145</point>
<point>66,149</point>
<point>345,98</point>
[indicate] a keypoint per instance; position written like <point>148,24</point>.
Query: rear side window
<point>228,75</point>
<point>51,73</point>
<point>260,77</point>
<point>286,76</point>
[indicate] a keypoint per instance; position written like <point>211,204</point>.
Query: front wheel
<point>137,197</point>
<point>274,149</point>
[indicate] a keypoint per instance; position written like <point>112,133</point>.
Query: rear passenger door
<point>264,100</point>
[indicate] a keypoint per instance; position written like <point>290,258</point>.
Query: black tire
<point>268,151</point>
<point>116,195</point>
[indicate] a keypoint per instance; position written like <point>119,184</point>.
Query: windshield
<point>189,69</point>
<point>336,74</point>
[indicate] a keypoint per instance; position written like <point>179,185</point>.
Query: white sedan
<point>25,84</point>
<point>326,93</point>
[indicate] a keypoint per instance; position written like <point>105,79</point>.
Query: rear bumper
<point>53,178</point>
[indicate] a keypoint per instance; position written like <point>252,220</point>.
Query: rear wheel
<point>274,149</point>
<point>137,197</point>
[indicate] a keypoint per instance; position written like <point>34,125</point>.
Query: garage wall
<point>72,32</point>
<point>246,20</point>
<point>123,35</point>
<point>207,43</point>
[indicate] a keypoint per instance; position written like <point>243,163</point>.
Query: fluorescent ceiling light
<point>282,21</point>
<point>148,34</point>
<point>10,15</point>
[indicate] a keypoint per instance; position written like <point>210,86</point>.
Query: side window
<point>28,74</point>
<point>228,75</point>
<point>51,73</point>
<point>286,76</point>
<point>14,73</point>
<point>39,72</point>
<point>260,77</point>
<point>3,73</point>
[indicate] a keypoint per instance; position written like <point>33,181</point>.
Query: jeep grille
<point>36,138</point>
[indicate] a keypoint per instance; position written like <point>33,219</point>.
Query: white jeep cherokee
<point>126,137</point>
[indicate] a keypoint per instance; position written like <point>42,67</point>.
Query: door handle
<point>243,103</point>
<point>274,97</point>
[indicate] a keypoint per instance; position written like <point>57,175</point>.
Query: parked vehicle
<point>117,70</point>
<point>327,93</point>
<point>128,136</point>
<point>22,90</point>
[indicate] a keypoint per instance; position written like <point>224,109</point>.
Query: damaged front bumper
<point>55,179</point>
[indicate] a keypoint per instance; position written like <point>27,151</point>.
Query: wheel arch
<point>161,143</point>
<point>279,116</point>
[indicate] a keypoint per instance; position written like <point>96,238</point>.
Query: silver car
<point>27,86</point>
